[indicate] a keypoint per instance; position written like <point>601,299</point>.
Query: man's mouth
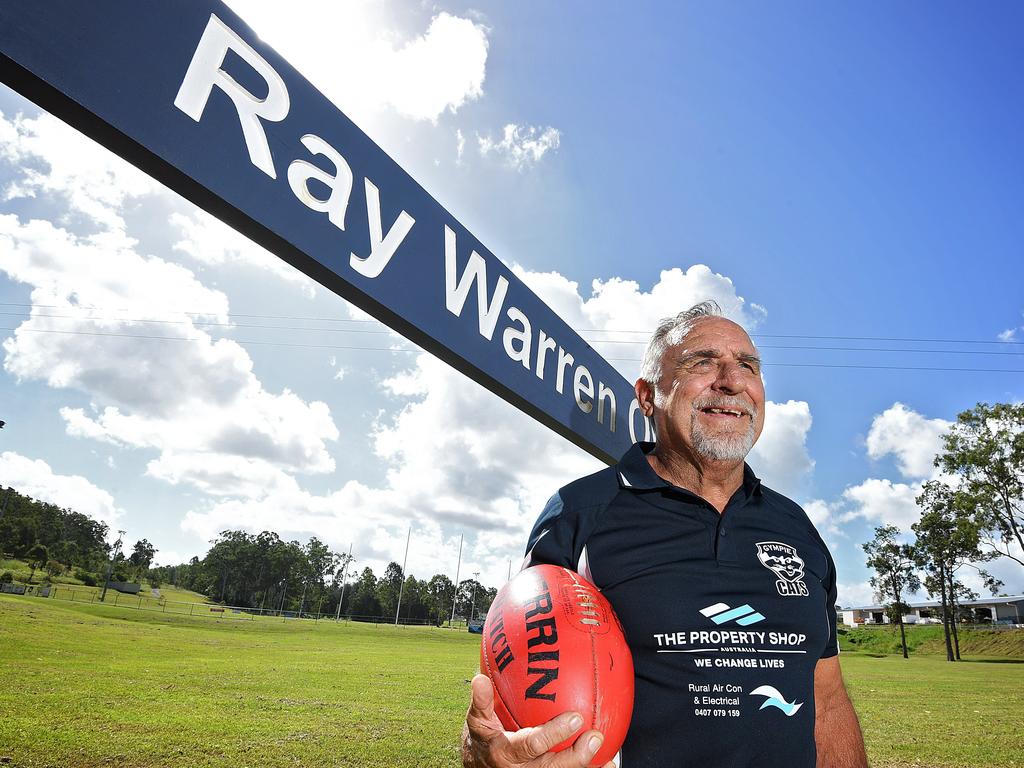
<point>734,412</point>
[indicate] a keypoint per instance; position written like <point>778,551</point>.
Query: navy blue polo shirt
<point>726,614</point>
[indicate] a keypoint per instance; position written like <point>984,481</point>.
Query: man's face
<point>709,403</point>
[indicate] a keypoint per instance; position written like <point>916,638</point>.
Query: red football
<point>552,644</point>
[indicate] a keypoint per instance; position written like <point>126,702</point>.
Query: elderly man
<point>724,588</point>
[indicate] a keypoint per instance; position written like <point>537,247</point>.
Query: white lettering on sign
<point>205,72</point>
<point>457,290</point>
<point>382,247</point>
<point>340,184</point>
<point>605,394</point>
<point>513,335</point>
<point>583,384</point>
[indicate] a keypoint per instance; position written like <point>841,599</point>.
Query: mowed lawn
<point>91,685</point>
<point>88,685</point>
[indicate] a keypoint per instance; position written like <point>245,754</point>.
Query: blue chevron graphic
<point>720,613</point>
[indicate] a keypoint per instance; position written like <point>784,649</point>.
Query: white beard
<point>726,447</point>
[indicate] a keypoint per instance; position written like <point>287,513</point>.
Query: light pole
<point>472,610</point>
<point>110,565</point>
<point>455,590</point>
<point>344,575</point>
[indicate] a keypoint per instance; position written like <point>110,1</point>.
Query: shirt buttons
<point>722,532</point>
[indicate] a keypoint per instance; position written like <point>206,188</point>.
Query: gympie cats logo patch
<point>783,560</point>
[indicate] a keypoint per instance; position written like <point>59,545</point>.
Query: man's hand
<point>486,744</point>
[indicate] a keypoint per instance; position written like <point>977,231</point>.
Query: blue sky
<point>833,170</point>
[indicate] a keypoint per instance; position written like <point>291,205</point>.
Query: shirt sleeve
<point>831,595</point>
<point>551,541</point>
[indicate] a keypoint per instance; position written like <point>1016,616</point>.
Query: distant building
<point>996,610</point>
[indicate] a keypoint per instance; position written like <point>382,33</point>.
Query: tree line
<point>240,569</point>
<point>265,572</point>
<point>972,515</point>
<point>56,540</point>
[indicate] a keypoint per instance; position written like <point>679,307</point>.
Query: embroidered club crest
<point>783,560</point>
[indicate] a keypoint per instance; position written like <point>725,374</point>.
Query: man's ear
<point>645,396</point>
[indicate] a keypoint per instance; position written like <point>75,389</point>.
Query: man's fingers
<point>530,743</point>
<point>586,746</point>
<point>482,705</point>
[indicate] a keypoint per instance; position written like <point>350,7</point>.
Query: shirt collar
<point>635,472</point>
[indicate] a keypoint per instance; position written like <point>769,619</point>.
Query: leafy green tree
<point>468,598</point>
<point>37,557</point>
<point>388,588</point>
<point>945,536</point>
<point>985,449</point>
<point>893,564</point>
<point>364,595</point>
<point>141,558</point>
<point>322,563</point>
<point>438,595</point>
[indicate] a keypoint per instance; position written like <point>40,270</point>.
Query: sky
<point>836,176</point>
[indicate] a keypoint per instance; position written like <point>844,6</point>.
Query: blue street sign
<point>187,92</point>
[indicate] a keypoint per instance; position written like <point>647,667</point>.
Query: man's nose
<point>729,378</point>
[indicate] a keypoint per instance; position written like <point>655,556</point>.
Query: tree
<point>322,563</point>
<point>468,600</point>
<point>141,558</point>
<point>985,449</point>
<point>439,591</point>
<point>893,564</point>
<point>388,588</point>
<point>37,557</point>
<point>364,595</point>
<point>947,538</point>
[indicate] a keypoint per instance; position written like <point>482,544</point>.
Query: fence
<point>216,611</point>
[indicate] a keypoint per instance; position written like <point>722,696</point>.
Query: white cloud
<point>352,54</point>
<point>619,311</point>
<point>780,456</point>
<point>196,401</point>
<point>487,474</point>
<point>913,439</point>
<point>35,478</point>
<point>1010,334</point>
<point>855,595</point>
<point>489,470</point>
<point>883,502</point>
<point>521,146</point>
<point>210,241</point>
<point>56,160</point>
<point>460,146</point>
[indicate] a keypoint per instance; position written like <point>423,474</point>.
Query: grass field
<point>91,685</point>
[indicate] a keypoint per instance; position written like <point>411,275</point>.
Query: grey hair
<point>671,331</point>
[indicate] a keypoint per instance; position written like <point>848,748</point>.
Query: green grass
<point>21,571</point>
<point>925,711</point>
<point>91,685</point>
<point>929,640</point>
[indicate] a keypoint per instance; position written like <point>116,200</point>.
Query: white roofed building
<point>992,610</point>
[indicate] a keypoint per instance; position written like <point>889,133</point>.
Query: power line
<point>648,331</point>
<point>207,324</point>
<point>390,349</point>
